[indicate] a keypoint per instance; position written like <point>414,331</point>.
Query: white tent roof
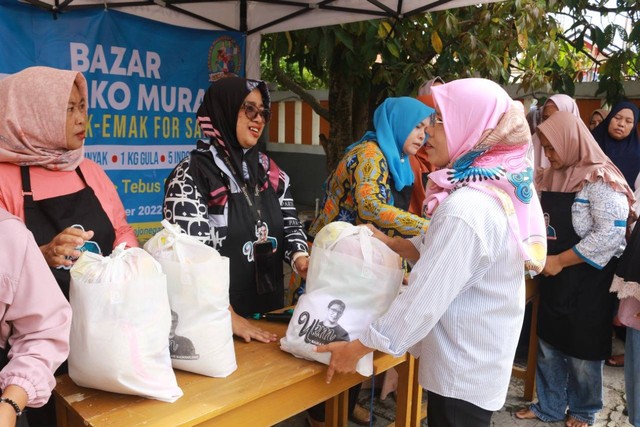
<point>254,17</point>
<point>260,16</point>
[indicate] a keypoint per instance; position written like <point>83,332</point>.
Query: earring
<point>401,157</point>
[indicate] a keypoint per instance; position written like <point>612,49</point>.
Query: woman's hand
<point>556,263</point>
<point>7,415</point>
<point>378,234</point>
<point>247,331</point>
<point>302,265</point>
<point>7,412</point>
<point>344,356</point>
<point>64,245</point>
<point>552,266</point>
<point>399,245</point>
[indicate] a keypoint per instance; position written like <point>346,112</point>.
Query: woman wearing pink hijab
<point>462,311</point>
<point>586,200</point>
<point>44,177</point>
<point>65,200</point>
<point>597,116</point>
<point>553,104</point>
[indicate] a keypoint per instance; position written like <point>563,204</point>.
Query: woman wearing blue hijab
<point>617,135</point>
<point>372,182</point>
<point>372,185</point>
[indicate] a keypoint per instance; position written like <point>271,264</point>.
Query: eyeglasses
<point>251,111</point>
<point>433,120</point>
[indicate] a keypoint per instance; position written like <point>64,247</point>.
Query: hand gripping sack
<point>352,279</point>
<point>121,320</point>
<point>198,284</point>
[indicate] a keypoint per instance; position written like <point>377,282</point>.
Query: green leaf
<point>451,24</point>
<point>609,33</point>
<point>393,50</point>
<point>436,42</point>
<point>597,35</point>
<point>569,86</point>
<point>523,39</point>
<point>343,37</point>
<point>384,29</point>
<point>635,32</point>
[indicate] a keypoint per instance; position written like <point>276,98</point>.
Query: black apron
<point>576,308</point>
<point>238,246</point>
<point>48,217</point>
<point>241,234</point>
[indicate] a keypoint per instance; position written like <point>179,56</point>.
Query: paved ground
<point>610,416</point>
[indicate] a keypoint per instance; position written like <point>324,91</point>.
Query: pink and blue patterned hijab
<point>488,138</point>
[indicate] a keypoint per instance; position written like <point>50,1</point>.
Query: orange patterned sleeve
<point>372,194</point>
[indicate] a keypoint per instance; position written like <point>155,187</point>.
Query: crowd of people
<point>474,194</point>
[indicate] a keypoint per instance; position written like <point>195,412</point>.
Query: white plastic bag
<point>121,319</point>
<point>352,279</point>
<point>198,284</point>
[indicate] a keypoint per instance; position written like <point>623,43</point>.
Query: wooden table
<point>268,387</point>
<point>528,373</point>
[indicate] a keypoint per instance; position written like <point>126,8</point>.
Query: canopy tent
<point>260,16</point>
<point>254,17</point>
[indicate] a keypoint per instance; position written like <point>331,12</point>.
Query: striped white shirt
<point>462,311</point>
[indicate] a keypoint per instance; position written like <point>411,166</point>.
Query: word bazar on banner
<point>146,81</point>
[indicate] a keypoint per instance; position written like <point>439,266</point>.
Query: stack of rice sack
<point>352,279</point>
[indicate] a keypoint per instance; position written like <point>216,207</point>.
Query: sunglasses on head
<point>251,111</point>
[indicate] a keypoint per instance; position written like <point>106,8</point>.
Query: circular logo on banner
<point>224,58</point>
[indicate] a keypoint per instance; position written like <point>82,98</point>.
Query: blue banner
<point>146,81</point>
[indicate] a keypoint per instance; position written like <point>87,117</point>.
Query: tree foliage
<point>515,41</point>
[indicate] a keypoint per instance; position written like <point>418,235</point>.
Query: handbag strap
<point>253,203</point>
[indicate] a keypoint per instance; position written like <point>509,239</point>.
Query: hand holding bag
<point>351,281</point>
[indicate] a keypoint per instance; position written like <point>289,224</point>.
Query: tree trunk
<point>360,117</point>
<point>340,106</point>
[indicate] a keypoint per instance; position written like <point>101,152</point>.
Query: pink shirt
<point>46,183</point>
<point>32,302</point>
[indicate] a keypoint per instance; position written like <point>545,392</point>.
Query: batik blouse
<point>359,192</point>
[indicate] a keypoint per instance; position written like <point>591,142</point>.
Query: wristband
<point>16,407</point>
